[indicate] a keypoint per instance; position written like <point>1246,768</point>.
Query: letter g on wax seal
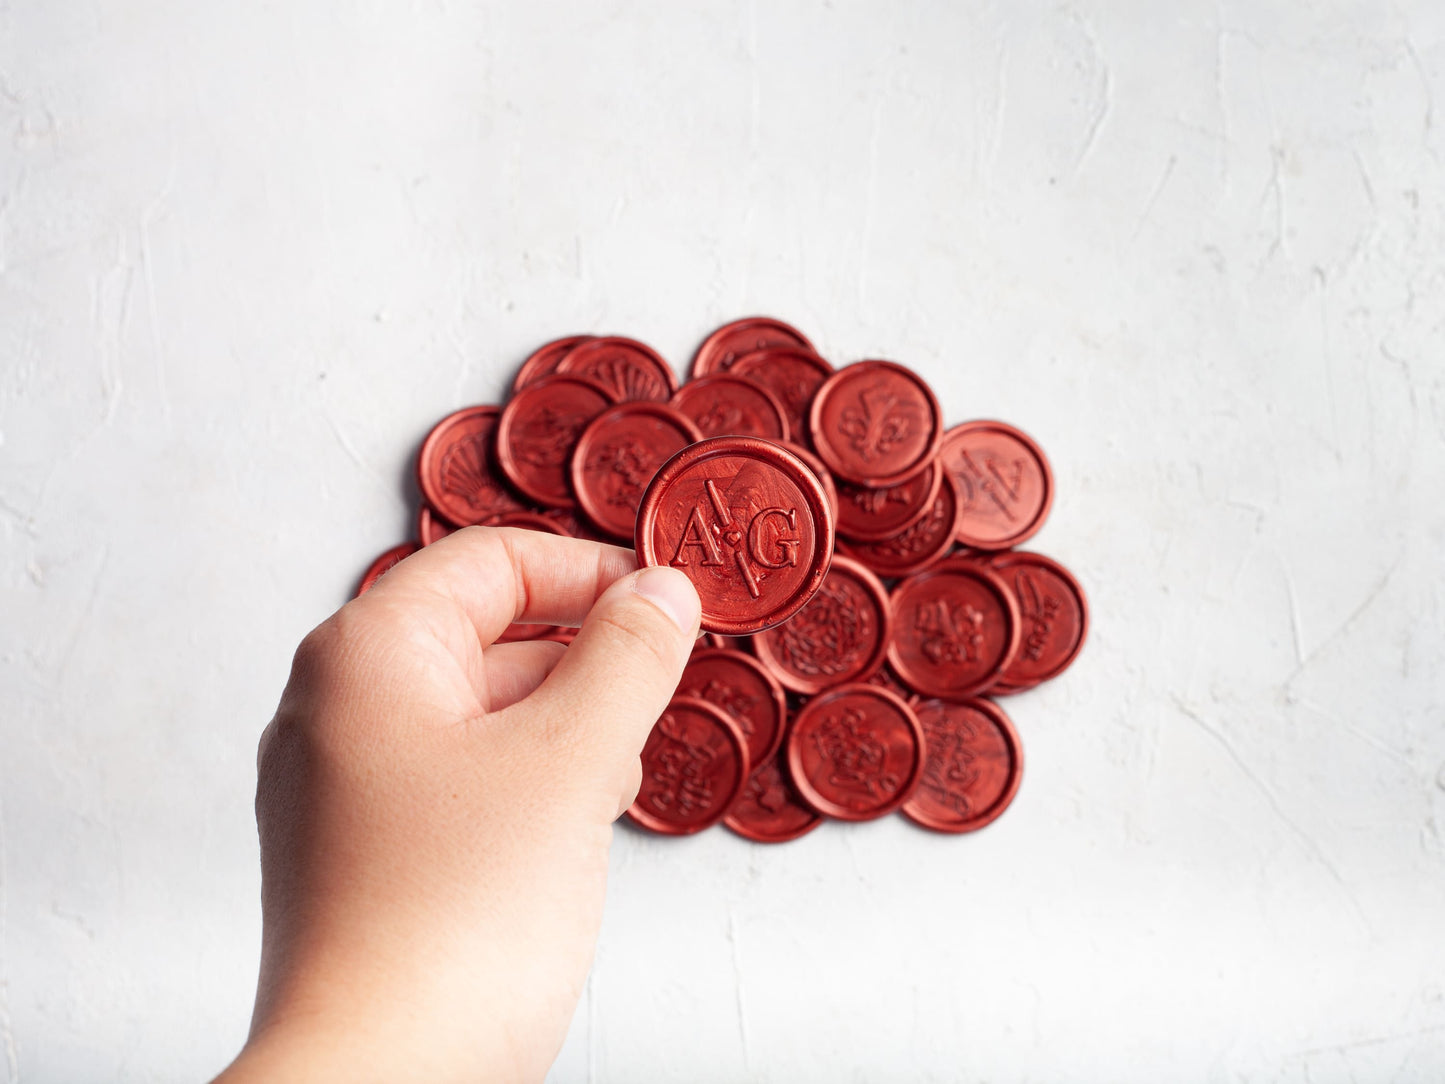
<point>748,523</point>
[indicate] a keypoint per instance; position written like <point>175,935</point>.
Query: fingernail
<point>672,593</point>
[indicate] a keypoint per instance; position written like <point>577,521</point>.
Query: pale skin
<point>435,809</point>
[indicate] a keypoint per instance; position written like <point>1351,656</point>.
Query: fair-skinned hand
<point>435,809</point>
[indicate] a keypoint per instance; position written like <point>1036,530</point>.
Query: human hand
<point>435,809</point>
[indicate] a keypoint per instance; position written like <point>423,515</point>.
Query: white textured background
<point>250,252</point>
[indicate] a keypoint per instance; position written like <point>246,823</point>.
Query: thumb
<point>617,676</point>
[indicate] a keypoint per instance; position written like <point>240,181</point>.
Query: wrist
<point>318,1047</point>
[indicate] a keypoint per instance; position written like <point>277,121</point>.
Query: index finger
<point>498,575</point>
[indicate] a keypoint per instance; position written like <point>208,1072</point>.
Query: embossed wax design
<point>1005,486</point>
<point>972,765</point>
<point>628,369</point>
<point>875,423</point>
<point>955,627</point>
<point>1054,618</point>
<point>457,469</point>
<point>743,688</point>
<point>839,636</point>
<point>617,455</point>
<point>855,752</point>
<point>693,765</point>
<point>538,431</point>
<point>747,523</point>
<point>724,406</point>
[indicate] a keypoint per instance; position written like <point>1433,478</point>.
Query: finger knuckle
<point>327,648</point>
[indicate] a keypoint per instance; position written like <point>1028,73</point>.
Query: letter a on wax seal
<point>747,522</point>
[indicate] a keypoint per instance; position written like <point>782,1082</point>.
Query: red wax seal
<point>728,406</point>
<point>731,341</point>
<point>1054,613</point>
<point>545,359</point>
<point>693,765</point>
<point>628,369</point>
<point>855,752</point>
<point>457,469</point>
<point>383,564</point>
<point>430,526</point>
<point>532,521</point>
<point>840,636</point>
<point>793,375</point>
<point>955,628</point>
<point>914,547</point>
<point>879,513</point>
<point>768,808</point>
<point>820,472</point>
<point>875,423</point>
<point>747,522</point>
<point>972,765</point>
<point>1004,483</point>
<point>617,455</point>
<point>538,429</point>
<point>739,685</point>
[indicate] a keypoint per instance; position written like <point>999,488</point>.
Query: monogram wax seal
<point>1005,486</point>
<point>840,636</point>
<point>457,469</point>
<point>855,752</point>
<point>537,432</point>
<point>726,406</point>
<point>617,455</point>
<point>1054,615</point>
<point>743,688</point>
<point>769,809</point>
<point>693,765</point>
<point>955,629</point>
<point>972,763</point>
<point>747,522</point>
<point>628,369</point>
<point>793,374</point>
<point>875,423</point>
<point>544,360</point>
<point>724,346</point>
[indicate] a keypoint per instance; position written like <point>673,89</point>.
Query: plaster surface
<point>250,253</point>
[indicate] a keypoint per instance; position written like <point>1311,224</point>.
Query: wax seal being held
<point>747,522</point>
